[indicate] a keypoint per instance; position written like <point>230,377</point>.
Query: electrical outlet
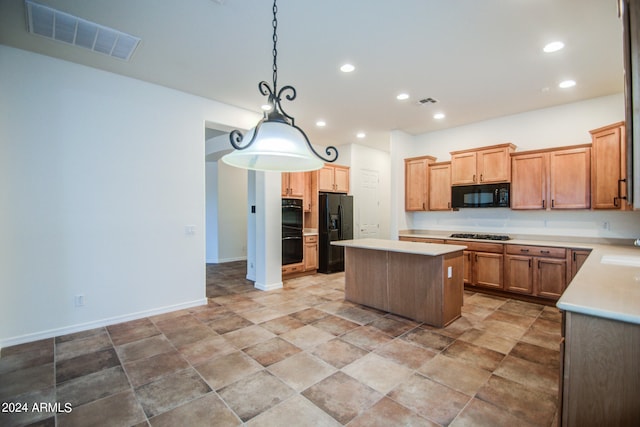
<point>189,230</point>
<point>78,300</point>
<point>606,225</point>
<point>449,272</point>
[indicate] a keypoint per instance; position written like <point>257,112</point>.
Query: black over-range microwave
<point>481,196</point>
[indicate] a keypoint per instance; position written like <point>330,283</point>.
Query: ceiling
<point>478,59</point>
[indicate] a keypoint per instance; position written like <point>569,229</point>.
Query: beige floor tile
<point>479,413</point>
<point>248,336</point>
<point>489,340</point>
<point>227,369</point>
<point>388,413</point>
<point>430,399</point>
<point>307,337</point>
<point>378,372</point>
<point>405,353</point>
<point>338,353</point>
<point>295,411</point>
<point>455,374</point>
<point>301,370</point>
<point>529,374</point>
<point>202,412</point>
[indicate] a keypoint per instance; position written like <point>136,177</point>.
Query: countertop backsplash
<point>570,224</point>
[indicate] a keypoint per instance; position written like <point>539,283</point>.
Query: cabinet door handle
<point>524,250</point>
<point>543,204</point>
<point>574,257</point>
<point>448,205</point>
<point>424,208</point>
<point>620,196</point>
<point>481,178</point>
<point>474,177</point>
<point>529,262</point>
<point>553,203</point>
<point>615,202</point>
<point>544,252</point>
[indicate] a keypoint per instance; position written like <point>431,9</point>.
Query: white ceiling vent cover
<point>53,24</point>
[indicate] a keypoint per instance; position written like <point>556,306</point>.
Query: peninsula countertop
<point>429,249</point>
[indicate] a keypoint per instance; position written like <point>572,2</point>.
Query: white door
<point>369,204</point>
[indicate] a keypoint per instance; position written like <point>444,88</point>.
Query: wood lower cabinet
<point>439,183</point>
<point>416,183</point>
<point>552,179</point>
<point>535,270</point>
<point>421,239</point>
<point>609,167</point>
<point>578,257</point>
<point>482,263</point>
<point>481,165</point>
<point>600,372</point>
<point>310,253</point>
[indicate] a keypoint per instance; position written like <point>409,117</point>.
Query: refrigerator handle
<point>340,222</point>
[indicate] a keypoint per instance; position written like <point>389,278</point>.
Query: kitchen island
<point>420,281</point>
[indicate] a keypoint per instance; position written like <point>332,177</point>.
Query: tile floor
<point>300,356</point>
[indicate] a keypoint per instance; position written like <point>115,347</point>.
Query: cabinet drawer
<point>473,245</point>
<point>542,251</point>
<point>311,239</point>
<point>421,239</point>
<point>292,268</point>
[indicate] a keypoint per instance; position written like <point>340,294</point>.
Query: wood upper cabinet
<point>609,167</point>
<point>552,179</point>
<point>293,184</point>
<point>529,181</point>
<point>333,179</point>
<point>570,178</point>
<point>416,183</point>
<point>482,165</point>
<point>439,183</point>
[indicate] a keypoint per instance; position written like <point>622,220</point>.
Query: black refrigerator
<point>335,222</point>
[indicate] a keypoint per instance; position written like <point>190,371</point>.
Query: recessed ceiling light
<point>347,68</point>
<point>439,116</point>
<point>321,123</point>
<point>566,84</point>
<point>361,135</point>
<point>402,96</point>
<point>553,47</point>
<point>266,107</point>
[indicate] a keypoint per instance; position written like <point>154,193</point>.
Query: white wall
<point>226,210</point>
<point>100,177</point>
<point>552,127</point>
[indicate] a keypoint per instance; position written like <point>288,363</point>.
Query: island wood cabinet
<point>535,270</point>
<point>600,372</point>
<point>481,165</point>
<point>416,183</point>
<point>551,179</point>
<point>609,167</point>
<point>421,239</point>
<point>483,263</point>
<point>293,184</point>
<point>439,184</point>
<point>333,179</point>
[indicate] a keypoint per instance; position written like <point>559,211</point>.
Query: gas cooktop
<point>481,236</point>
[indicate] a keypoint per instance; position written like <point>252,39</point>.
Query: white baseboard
<point>50,333</point>
<point>223,260</point>
<point>269,287</point>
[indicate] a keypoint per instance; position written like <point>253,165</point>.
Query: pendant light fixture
<point>276,143</point>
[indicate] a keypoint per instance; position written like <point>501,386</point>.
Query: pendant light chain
<point>275,50</point>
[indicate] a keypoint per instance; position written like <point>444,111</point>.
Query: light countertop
<point>429,249</point>
<point>604,290</point>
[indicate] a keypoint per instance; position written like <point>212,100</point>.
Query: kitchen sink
<point>627,260</point>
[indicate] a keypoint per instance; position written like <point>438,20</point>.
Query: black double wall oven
<point>292,240</point>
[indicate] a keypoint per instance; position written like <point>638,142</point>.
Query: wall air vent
<point>53,24</point>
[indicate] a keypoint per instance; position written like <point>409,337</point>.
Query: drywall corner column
<point>268,231</point>
<point>251,225</point>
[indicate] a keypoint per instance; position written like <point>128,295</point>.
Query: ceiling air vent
<point>53,24</point>
<point>427,101</point>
